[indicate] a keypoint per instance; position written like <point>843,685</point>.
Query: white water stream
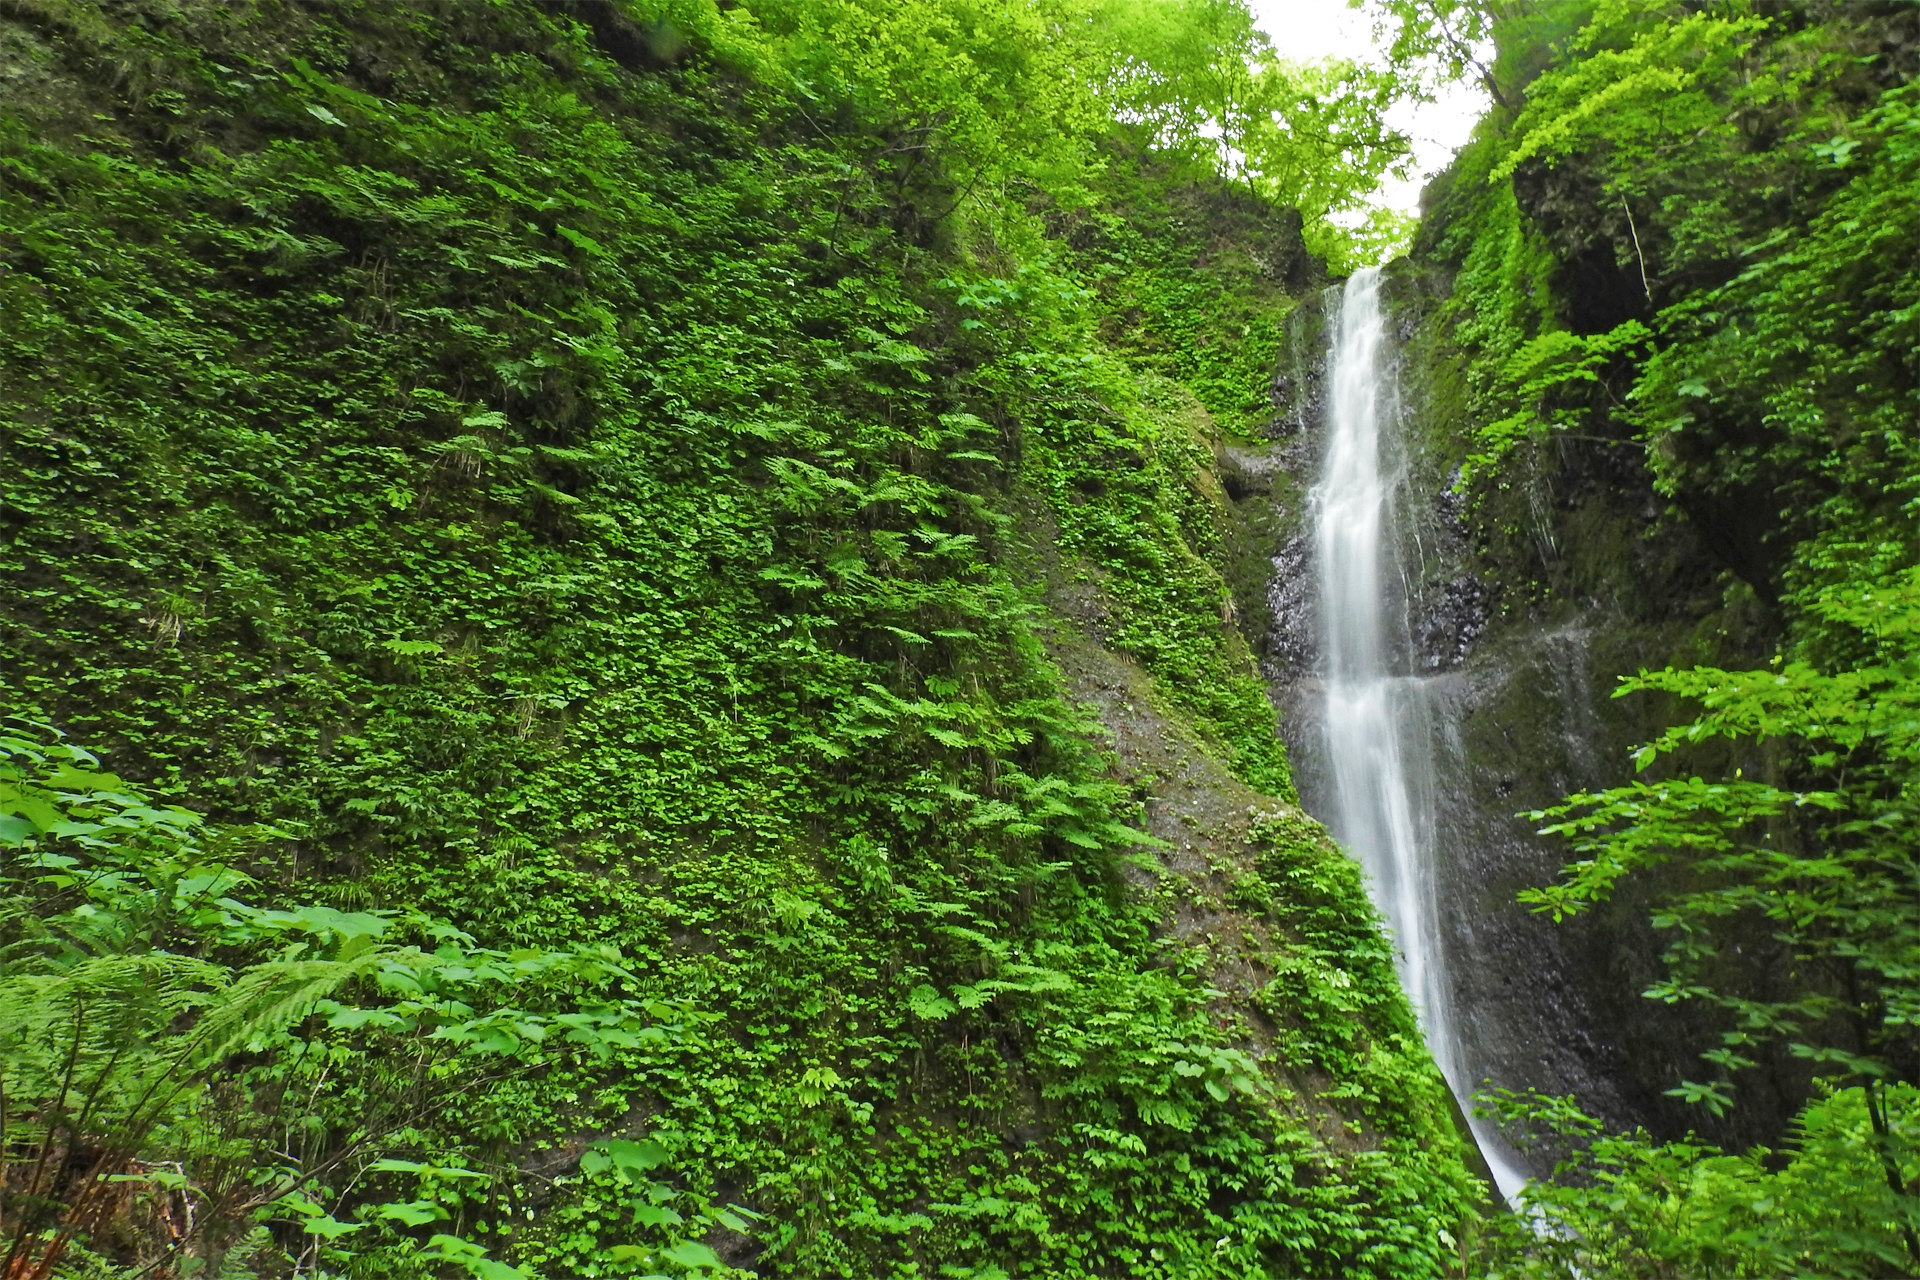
<point>1377,716</point>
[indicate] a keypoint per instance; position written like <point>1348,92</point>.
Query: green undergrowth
<point>523,476</point>
<point>1194,280</point>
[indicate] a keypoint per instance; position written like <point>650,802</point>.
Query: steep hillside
<point>730,564</point>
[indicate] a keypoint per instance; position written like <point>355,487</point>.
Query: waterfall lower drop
<point>1377,717</point>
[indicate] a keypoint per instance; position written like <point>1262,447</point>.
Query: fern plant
<point>118,1020</point>
<point>168,1049</point>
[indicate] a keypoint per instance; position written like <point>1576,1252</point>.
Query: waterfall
<point>1378,716</point>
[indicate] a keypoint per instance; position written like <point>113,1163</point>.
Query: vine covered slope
<point>642,527</point>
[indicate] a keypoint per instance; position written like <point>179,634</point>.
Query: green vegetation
<point>186,1088</point>
<point>1690,233</point>
<point>580,530</point>
<point>567,500</point>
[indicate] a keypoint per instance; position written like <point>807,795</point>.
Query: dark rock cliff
<point>1524,608</point>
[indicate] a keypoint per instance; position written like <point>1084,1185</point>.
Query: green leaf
<point>414,1213</point>
<point>926,1002</point>
<point>627,1158</point>
<point>692,1253</point>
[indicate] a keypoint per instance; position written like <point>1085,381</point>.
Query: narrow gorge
<point>703,639</point>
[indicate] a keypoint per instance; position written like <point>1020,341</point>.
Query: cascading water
<point>1377,716</point>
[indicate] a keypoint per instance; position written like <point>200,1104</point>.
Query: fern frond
<point>269,998</point>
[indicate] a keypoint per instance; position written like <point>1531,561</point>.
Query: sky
<point>1306,29</point>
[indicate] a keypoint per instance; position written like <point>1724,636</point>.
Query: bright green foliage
<point>583,484</point>
<point>186,1048</point>
<point>1814,340</point>
<point>984,91</point>
<point>1308,136</point>
<point>1210,321</point>
<point>1116,457</point>
<point>1313,140</point>
<point>1532,378</point>
<point>1500,304</point>
<point>1434,42</point>
<point>1637,93</point>
<point>1628,1206</point>
<point>992,92</point>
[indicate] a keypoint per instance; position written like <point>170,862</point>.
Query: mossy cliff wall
<point>1520,671</point>
<point>553,478</point>
<point>1644,428</point>
<point>1526,603</point>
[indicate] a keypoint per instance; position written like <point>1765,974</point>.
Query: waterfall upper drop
<point>1378,715</point>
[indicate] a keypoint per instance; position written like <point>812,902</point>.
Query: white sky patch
<point>1305,30</point>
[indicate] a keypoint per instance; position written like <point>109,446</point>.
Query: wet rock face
<point>1453,621</point>
<point>1286,643</point>
<point>1298,390</point>
<point>1451,604</point>
<point>1527,607</point>
<point>1517,659</point>
<point>1264,500</point>
<point>1292,644</point>
<point>1299,401</point>
<point>1448,607</point>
